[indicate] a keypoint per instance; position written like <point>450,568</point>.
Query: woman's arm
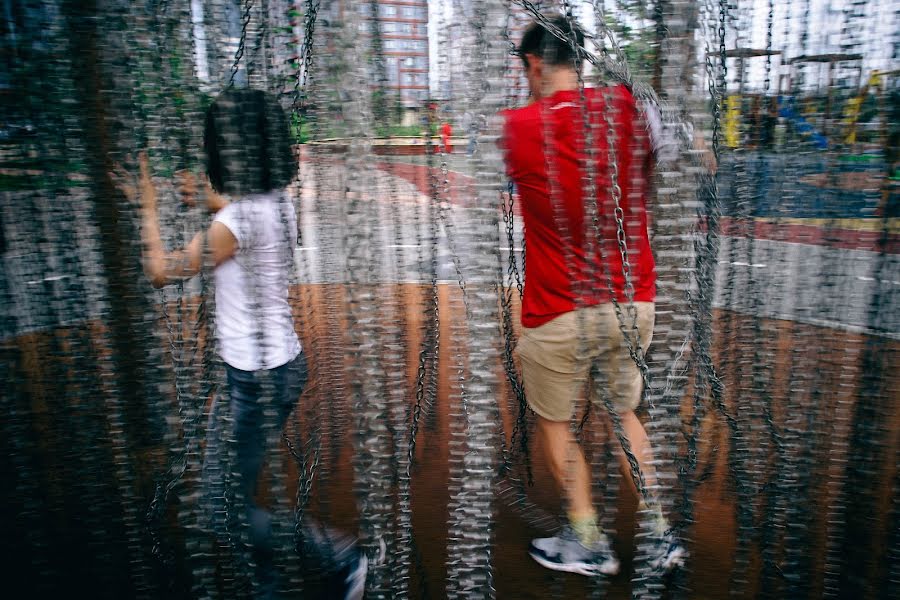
<point>184,263</point>
<point>163,267</point>
<point>187,182</point>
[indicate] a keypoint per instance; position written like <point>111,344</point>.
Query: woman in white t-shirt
<point>251,242</point>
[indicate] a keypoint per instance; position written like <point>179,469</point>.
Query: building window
<point>413,79</point>
<point>415,62</point>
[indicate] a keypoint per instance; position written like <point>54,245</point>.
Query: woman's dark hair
<point>247,143</point>
<point>538,41</point>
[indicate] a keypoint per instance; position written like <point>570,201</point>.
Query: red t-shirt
<point>558,268</point>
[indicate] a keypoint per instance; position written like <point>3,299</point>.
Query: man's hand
<point>707,157</point>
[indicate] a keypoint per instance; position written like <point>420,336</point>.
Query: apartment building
<point>456,39</point>
<point>404,43</point>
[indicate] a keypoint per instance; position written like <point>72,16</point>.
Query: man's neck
<point>559,79</point>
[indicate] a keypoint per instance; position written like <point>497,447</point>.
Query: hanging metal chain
<point>594,238</point>
<point>304,68</point>
<point>260,46</point>
<point>185,457</point>
<point>428,341</point>
<point>520,429</point>
<point>507,205</point>
<point>245,22</point>
<point>504,291</point>
<point>773,512</point>
<point>309,456</point>
<point>706,379</point>
<point>428,353</point>
<point>288,217</point>
<point>469,564</point>
<point>628,328</point>
<point>513,271</point>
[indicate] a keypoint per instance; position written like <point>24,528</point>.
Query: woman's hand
<point>143,192</point>
<point>124,180</point>
<point>142,189</point>
<point>160,266</point>
<point>148,192</point>
<point>187,185</point>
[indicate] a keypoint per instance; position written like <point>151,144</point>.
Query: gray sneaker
<point>564,552</point>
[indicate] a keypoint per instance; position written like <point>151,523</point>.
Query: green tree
<point>635,28</point>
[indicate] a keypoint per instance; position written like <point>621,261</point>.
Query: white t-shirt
<point>254,326</point>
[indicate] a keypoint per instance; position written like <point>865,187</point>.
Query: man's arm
<point>707,157</point>
<point>666,141</point>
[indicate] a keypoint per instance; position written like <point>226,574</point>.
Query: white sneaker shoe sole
<point>607,567</point>
<point>675,558</point>
<point>357,580</point>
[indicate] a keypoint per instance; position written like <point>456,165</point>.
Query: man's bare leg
<point>640,446</point>
<point>573,475</point>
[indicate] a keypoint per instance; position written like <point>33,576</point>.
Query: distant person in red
<point>446,132</point>
<point>571,332</point>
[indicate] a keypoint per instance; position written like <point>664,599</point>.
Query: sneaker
<point>667,552</point>
<point>350,579</point>
<point>339,557</point>
<point>564,552</point>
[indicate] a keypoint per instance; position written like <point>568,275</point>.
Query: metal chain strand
<point>239,53</point>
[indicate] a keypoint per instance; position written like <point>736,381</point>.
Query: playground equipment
<point>831,60</point>
<point>879,83</point>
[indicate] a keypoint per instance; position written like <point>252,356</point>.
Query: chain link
<point>239,54</point>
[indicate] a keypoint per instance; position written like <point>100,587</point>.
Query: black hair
<point>538,41</point>
<point>247,143</point>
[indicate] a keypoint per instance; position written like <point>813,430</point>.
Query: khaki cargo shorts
<point>554,374</point>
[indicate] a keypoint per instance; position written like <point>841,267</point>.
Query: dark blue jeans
<point>249,415</point>
<point>245,391</point>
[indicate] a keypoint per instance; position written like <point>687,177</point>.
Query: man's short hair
<point>538,41</point>
<point>247,143</point>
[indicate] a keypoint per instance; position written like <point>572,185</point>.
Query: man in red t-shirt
<point>571,331</point>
